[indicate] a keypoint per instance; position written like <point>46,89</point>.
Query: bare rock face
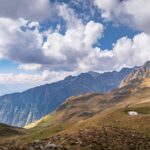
<point>136,75</point>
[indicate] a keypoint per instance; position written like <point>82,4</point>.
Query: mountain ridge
<point>137,74</point>
<point>32,104</point>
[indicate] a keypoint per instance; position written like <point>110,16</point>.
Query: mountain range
<point>19,109</point>
<point>116,120</point>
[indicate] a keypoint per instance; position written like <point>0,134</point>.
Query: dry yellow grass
<point>145,82</point>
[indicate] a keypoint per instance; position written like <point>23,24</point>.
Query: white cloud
<point>107,7</point>
<point>18,45</point>
<point>68,15</point>
<point>74,46</point>
<point>134,13</point>
<point>93,32</point>
<point>28,9</point>
<point>126,52</point>
<point>131,52</point>
<point>72,52</point>
<point>30,66</point>
<point>69,52</point>
<point>10,82</point>
<point>64,52</point>
<point>32,79</point>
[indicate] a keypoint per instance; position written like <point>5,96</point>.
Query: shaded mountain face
<point>137,74</point>
<point>19,109</point>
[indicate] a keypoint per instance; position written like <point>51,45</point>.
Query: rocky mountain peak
<point>137,74</point>
<point>147,65</point>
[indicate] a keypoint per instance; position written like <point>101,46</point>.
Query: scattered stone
<point>50,146</point>
<point>31,148</point>
<point>133,113</point>
<point>37,141</point>
<point>3,148</point>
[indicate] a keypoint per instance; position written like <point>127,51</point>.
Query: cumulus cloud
<point>126,52</point>
<point>18,45</point>
<point>107,7</point>
<point>68,15</point>
<point>93,32</point>
<point>130,52</point>
<point>30,66</point>
<point>74,46</point>
<point>10,82</point>
<point>32,79</point>
<point>134,13</point>
<point>59,52</point>
<point>73,51</point>
<point>27,9</point>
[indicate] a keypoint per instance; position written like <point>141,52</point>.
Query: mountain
<point>117,120</point>
<point>137,74</point>
<point>19,109</point>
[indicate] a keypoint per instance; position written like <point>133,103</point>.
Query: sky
<point>43,41</point>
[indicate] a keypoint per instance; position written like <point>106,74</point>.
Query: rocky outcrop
<point>136,75</point>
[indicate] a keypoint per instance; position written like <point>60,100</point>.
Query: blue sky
<point>4,65</point>
<point>67,37</point>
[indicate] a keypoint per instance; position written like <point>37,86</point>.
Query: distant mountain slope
<point>19,109</point>
<point>137,74</point>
